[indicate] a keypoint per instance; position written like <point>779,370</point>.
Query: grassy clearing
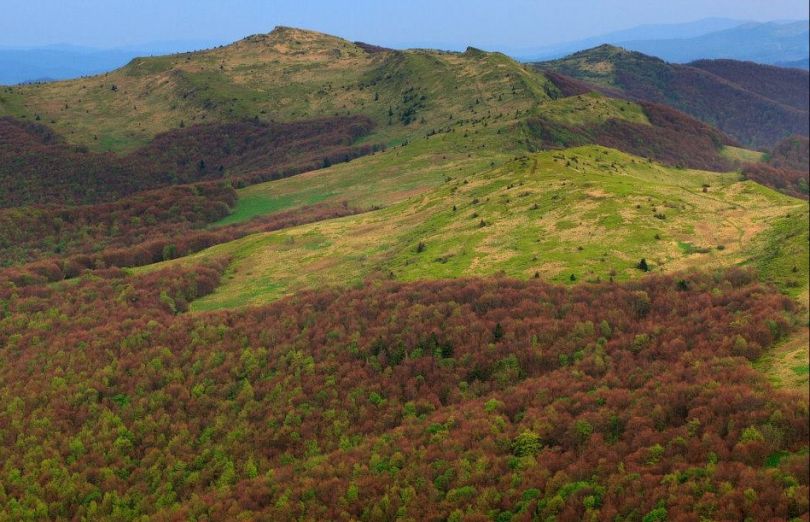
<point>781,254</point>
<point>788,365</point>
<point>591,109</point>
<point>383,178</point>
<point>742,155</point>
<point>590,212</point>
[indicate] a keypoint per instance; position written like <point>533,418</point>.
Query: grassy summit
<point>288,74</point>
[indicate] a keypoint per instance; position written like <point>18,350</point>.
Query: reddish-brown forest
<point>785,85</point>
<point>158,242</point>
<point>38,167</point>
<point>448,400</point>
<point>791,153</point>
<point>757,105</point>
<point>789,181</point>
<point>673,138</point>
<point>787,168</point>
<point>30,233</point>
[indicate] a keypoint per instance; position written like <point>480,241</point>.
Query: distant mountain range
<point>775,43</point>
<point>641,32</point>
<point>758,105</point>
<point>62,62</point>
<point>781,43</point>
<point>769,43</point>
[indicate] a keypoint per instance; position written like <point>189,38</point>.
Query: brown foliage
<point>787,168</point>
<point>673,138</point>
<point>139,245</point>
<point>497,398</point>
<point>785,85</point>
<point>37,167</point>
<point>789,181</point>
<point>31,233</point>
<point>791,153</point>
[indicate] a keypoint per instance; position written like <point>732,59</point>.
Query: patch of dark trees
<point>757,105</point>
<point>135,245</point>
<point>38,167</point>
<point>672,138</point>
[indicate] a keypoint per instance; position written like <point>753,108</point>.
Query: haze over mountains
<point>768,43</point>
<point>777,43</point>
<point>62,62</point>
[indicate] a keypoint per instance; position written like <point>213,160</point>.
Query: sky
<point>449,24</point>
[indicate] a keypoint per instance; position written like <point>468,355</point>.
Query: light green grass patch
<point>741,155</point>
<point>591,108</point>
<point>588,211</point>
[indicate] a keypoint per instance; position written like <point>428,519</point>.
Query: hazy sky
<point>490,24</point>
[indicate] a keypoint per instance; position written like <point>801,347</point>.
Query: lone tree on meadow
<point>643,266</point>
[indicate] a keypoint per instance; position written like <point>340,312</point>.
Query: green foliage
<point>656,515</point>
<point>751,434</point>
<point>526,443</point>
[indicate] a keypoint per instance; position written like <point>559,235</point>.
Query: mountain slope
<point>476,321</point>
<point>786,167</point>
<point>776,43</point>
<point>481,106</point>
<point>286,75</point>
<point>425,401</point>
<point>38,167</point>
<point>786,86</point>
<point>664,134</point>
<point>792,153</point>
<point>642,32</point>
<point>321,406</point>
<point>744,111</point>
<point>591,212</point>
<point>795,64</point>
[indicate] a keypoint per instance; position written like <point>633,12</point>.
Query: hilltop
<point>181,118</point>
<point>758,105</point>
<point>286,75</point>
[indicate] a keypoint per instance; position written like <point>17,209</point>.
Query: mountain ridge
<point>785,41</point>
<point>757,116</point>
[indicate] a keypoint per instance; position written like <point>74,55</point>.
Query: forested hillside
<point>786,168</point>
<point>758,105</point>
<point>667,135</point>
<point>39,167</point>
<point>784,85</point>
<point>429,400</point>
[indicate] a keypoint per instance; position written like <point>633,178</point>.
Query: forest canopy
<point>467,399</point>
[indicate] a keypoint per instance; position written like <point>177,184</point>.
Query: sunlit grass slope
<point>463,149</point>
<point>589,213</point>
<point>386,177</point>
